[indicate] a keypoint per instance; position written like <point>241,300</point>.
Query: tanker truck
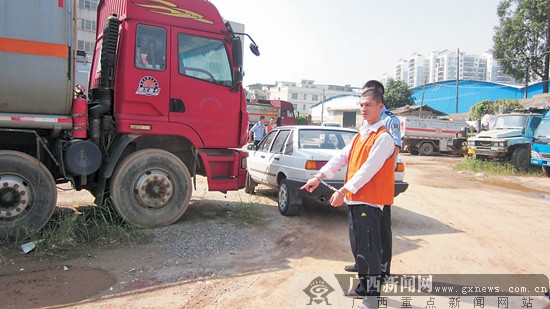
<point>426,136</point>
<point>162,75</point>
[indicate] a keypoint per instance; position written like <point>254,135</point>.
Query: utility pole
<point>526,92</point>
<point>423,91</point>
<point>457,75</point>
<point>322,105</point>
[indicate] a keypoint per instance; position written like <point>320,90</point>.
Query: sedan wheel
<point>288,201</point>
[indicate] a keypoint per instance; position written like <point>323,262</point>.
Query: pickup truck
<point>509,140</point>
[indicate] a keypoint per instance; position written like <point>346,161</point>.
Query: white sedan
<point>288,156</point>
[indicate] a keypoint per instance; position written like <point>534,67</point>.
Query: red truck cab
<point>175,76</point>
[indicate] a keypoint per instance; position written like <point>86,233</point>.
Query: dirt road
<point>237,251</point>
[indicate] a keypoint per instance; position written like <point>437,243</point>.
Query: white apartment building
<point>442,65</point>
<point>302,95</point>
<point>494,71</point>
<point>86,26</point>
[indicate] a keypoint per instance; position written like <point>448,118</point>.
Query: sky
<point>348,42</point>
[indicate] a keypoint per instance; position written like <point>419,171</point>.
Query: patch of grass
<point>72,232</point>
<point>494,167</point>
<point>248,213</point>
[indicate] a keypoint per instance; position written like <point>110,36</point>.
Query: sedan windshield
<point>324,139</point>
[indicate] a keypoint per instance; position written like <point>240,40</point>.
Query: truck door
<point>200,92</point>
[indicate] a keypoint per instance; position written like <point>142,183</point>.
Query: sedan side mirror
<point>252,147</point>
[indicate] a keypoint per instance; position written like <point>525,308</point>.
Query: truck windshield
<point>511,122</point>
<point>204,58</point>
<point>543,130</point>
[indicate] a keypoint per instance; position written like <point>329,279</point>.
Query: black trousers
<point>386,240</point>
<point>365,240</point>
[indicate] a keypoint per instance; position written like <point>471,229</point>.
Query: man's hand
<point>311,184</point>
<point>337,199</point>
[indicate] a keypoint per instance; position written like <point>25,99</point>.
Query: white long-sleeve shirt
<point>382,150</point>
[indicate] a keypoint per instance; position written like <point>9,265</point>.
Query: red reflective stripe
<point>60,3</point>
<point>429,130</point>
<point>33,119</point>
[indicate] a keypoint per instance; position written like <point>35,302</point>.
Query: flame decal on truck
<point>168,8</point>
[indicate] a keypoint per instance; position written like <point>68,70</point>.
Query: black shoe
<point>351,268</point>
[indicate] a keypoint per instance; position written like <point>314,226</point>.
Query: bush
<point>479,109</point>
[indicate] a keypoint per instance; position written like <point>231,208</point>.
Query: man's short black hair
<point>262,117</point>
<point>374,94</point>
<point>374,84</point>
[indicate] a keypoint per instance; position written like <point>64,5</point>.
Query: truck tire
<point>520,158</point>
<point>151,188</point>
<point>28,194</point>
<point>412,150</point>
<point>249,185</point>
<point>546,170</point>
<point>287,201</point>
<point>426,149</point>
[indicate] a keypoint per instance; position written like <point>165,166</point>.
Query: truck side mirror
<point>254,49</point>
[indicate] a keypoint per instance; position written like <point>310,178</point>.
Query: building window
<point>88,4</point>
<point>294,96</point>
<point>305,96</point>
<point>315,97</point>
<point>88,47</point>
<point>86,25</point>
<point>304,107</point>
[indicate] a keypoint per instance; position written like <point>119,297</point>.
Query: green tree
<point>397,94</point>
<point>479,109</point>
<point>522,39</point>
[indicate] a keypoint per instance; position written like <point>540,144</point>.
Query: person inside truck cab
<point>149,55</point>
<point>155,54</point>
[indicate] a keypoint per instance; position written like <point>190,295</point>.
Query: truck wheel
<point>288,203</point>
<point>426,149</point>
<point>520,158</point>
<point>546,170</point>
<point>249,185</point>
<point>28,194</point>
<point>151,188</point>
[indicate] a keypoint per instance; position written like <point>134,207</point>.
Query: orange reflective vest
<point>380,189</point>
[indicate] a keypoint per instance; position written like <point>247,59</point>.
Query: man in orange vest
<point>393,124</point>
<point>369,185</point>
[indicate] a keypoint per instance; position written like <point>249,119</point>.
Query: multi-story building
<point>86,26</point>
<point>445,64</point>
<point>302,95</point>
<point>495,73</point>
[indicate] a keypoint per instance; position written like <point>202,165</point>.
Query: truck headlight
<point>471,143</point>
<point>499,144</point>
<point>535,155</point>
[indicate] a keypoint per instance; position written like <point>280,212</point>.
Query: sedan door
<point>258,160</point>
<point>275,157</point>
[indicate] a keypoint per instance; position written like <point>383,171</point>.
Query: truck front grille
<point>484,143</point>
